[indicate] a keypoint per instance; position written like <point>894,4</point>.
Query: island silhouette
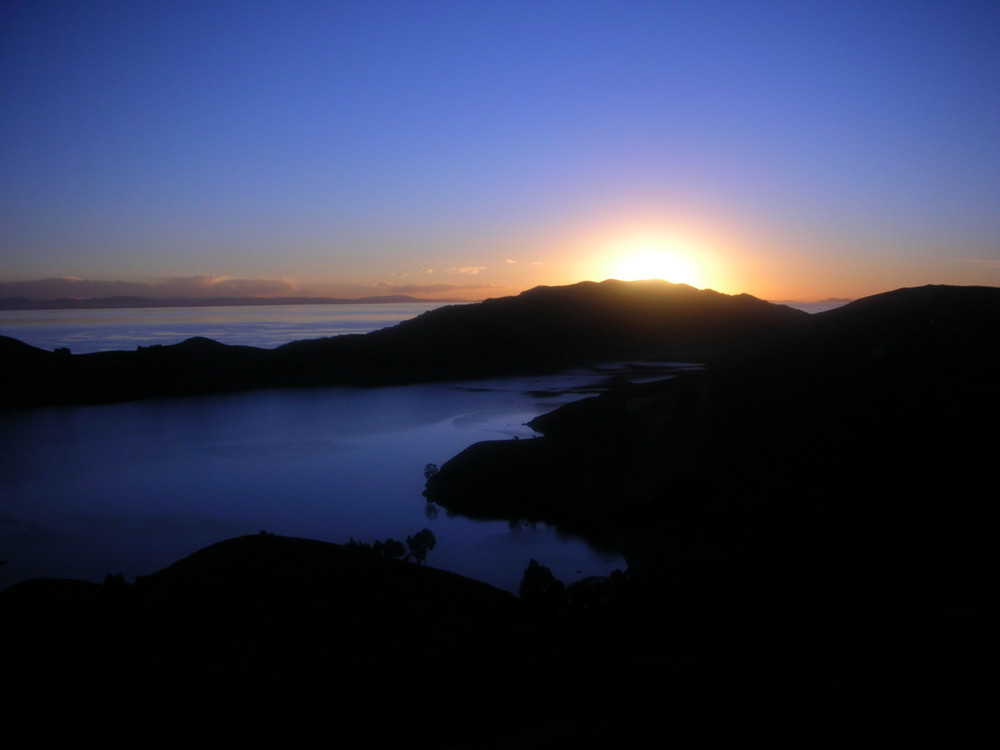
<point>809,520</point>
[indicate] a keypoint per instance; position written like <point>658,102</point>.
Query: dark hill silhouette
<point>541,329</point>
<point>551,327</point>
<point>277,639</point>
<point>839,490</point>
<point>894,388</point>
<point>264,637</point>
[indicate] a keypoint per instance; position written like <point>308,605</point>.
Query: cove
<point>130,488</point>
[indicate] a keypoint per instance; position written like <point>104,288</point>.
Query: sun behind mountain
<point>655,260</point>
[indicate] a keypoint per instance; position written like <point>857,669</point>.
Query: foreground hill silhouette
<point>256,637</point>
<point>542,329</point>
<point>268,638</point>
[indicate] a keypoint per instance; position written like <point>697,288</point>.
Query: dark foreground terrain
<point>829,505</point>
<point>270,639</point>
<point>811,529</point>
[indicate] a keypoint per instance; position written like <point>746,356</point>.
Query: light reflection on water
<point>130,488</point>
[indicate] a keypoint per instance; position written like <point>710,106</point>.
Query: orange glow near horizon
<point>655,264</point>
<point>637,258</point>
<point>706,251</point>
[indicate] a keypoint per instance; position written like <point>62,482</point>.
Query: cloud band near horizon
<point>205,286</point>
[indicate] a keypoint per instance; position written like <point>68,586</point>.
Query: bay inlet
<point>130,488</point>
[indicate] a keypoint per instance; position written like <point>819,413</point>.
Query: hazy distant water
<point>266,326</point>
<point>130,488</point>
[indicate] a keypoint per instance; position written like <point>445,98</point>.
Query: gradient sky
<point>792,150</point>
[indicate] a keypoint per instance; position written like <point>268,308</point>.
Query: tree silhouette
<point>420,544</point>
<point>393,548</point>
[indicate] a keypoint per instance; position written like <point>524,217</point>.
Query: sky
<point>790,150</point>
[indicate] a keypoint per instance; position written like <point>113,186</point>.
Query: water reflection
<point>130,488</point>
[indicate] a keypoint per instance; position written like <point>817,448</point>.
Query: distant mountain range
<point>97,303</point>
<point>542,329</point>
<point>830,303</point>
<point>66,303</point>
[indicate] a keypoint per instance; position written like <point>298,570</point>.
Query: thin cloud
<point>473,270</point>
<point>71,287</point>
<point>179,286</point>
<point>435,289</point>
<point>224,286</point>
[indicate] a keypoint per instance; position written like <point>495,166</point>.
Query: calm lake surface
<point>130,488</point>
<point>266,326</point>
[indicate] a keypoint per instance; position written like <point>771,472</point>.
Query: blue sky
<point>471,149</point>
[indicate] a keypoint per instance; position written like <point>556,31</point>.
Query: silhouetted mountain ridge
<point>878,414</point>
<point>542,329</point>
<point>921,357</point>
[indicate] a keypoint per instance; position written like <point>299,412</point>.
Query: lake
<point>130,488</point>
<point>266,326</point>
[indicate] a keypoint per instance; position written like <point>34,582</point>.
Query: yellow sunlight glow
<point>655,260</point>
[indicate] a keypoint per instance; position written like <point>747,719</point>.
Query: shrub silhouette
<point>540,589</point>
